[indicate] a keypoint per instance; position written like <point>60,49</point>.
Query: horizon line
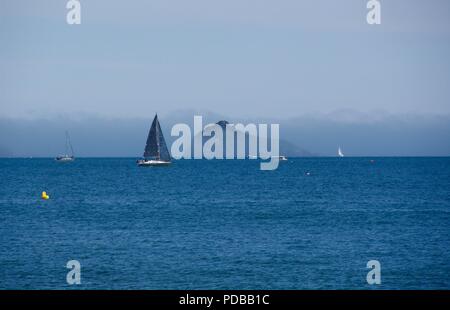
<point>225,159</point>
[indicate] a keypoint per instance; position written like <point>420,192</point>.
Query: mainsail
<point>68,145</point>
<point>156,147</point>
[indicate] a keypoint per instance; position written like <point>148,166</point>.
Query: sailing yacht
<point>340,154</point>
<point>156,152</point>
<point>66,157</point>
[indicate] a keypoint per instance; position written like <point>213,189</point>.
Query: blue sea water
<point>226,224</point>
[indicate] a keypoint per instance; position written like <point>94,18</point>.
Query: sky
<point>284,60</point>
<point>236,57</point>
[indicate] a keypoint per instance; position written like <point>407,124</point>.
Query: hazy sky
<point>246,58</point>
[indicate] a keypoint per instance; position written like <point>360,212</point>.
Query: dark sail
<point>156,147</point>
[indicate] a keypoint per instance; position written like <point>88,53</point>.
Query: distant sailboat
<point>340,154</point>
<point>156,152</point>
<point>281,158</point>
<point>66,157</point>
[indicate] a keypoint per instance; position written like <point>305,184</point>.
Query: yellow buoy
<point>45,196</point>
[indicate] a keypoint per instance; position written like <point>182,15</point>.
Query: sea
<point>314,223</point>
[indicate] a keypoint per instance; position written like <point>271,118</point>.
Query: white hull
<point>152,163</point>
<point>65,158</point>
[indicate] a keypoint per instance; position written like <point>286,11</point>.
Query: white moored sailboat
<point>340,154</point>
<point>156,152</point>
<point>66,157</point>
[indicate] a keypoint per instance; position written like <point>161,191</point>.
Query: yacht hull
<point>64,159</point>
<point>153,163</point>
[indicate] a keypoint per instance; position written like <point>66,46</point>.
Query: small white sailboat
<point>66,157</point>
<point>156,152</point>
<point>282,158</point>
<point>340,154</point>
